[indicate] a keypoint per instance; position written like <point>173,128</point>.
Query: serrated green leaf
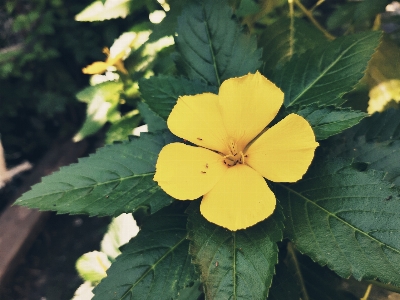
<point>154,122</point>
<point>99,11</point>
<point>329,121</point>
<point>116,179</point>
<point>234,264</point>
<point>285,38</point>
<point>121,129</point>
<point>211,45</point>
<point>374,143</point>
<point>161,93</point>
<point>322,75</point>
<point>153,265</point>
<point>341,218</point>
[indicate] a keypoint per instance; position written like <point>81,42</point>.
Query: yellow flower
<point>235,151</point>
<point>99,67</point>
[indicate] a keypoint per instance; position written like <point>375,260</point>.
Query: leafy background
<point>320,56</point>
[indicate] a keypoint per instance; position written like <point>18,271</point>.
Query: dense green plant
<point>344,212</point>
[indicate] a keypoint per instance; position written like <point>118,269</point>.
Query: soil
<point>48,271</point>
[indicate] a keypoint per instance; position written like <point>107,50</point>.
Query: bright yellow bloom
<point>235,151</point>
<point>99,67</point>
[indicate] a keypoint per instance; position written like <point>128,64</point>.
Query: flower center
<point>235,156</point>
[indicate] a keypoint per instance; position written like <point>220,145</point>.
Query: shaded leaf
<point>161,93</point>
<point>116,179</point>
<point>341,218</point>
<point>373,144</point>
<point>102,100</point>
<point>247,7</point>
<point>154,122</point>
<point>285,38</point>
<point>234,264</point>
<point>121,129</point>
<point>322,75</point>
<point>211,45</point>
<point>153,265</point>
<point>329,121</point>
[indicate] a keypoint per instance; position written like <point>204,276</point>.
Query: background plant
<point>343,214</point>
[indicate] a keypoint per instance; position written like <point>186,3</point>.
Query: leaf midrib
<point>152,267</point>
<point>339,219</point>
<point>85,187</point>
<point>211,46</point>
<point>323,73</point>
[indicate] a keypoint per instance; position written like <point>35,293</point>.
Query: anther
<point>207,166</point>
<point>200,139</point>
<point>204,172</point>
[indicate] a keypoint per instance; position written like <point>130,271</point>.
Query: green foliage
<point>121,129</point>
<point>329,121</point>
<point>234,265</point>
<point>211,46</point>
<point>343,213</point>
<point>117,179</point>
<point>155,264</point>
<point>102,101</point>
<point>373,144</point>
<point>161,93</point>
<point>342,218</point>
<point>285,38</point>
<point>322,75</point>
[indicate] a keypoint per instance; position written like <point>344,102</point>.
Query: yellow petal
<point>285,151</point>
<point>197,119</point>
<point>240,199</point>
<point>248,105</point>
<point>186,172</point>
<point>98,67</point>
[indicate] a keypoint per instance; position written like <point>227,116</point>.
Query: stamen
<point>200,139</point>
<point>204,172</point>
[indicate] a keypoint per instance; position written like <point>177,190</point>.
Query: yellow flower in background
<point>234,151</point>
<point>99,67</point>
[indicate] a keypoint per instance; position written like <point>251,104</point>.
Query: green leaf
<point>285,38</point>
<point>121,129</point>
<point>247,7</point>
<point>211,45</point>
<point>234,265</point>
<point>329,121</point>
<point>99,11</point>
<point>154,265</point>
<point>102,100</point>
<point>161,93</point>
<point>322,75</point>
<point>168,25</point>
<point>116,179</point>
<point>154,122</point>
<point>287,283</point>
<point>298,277</point>
<point>373,144</point>
<point>342,218</point>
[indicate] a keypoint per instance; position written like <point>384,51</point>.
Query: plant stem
<point>312,19</point>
